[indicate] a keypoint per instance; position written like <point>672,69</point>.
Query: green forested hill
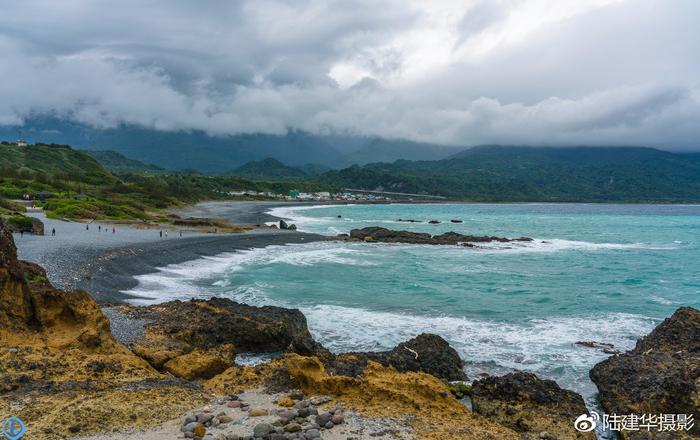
<point>69,183</point>
<point>119,163</point>
<point>495,173</point>
<point>52,160</point>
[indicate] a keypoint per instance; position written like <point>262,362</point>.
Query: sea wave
<point>557,245</point>
<point>185,279</point>
<point>544,346</point>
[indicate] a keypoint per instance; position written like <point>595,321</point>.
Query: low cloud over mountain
<point>451,72</point>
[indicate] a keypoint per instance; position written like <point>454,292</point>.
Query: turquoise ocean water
<point>606,273</point>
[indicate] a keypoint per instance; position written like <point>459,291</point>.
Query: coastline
<point>106,263</point>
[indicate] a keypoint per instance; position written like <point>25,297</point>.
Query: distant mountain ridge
<point>195,150</point>
<point>545,174</point>
<point>118,163</point>
<point>269,169</point>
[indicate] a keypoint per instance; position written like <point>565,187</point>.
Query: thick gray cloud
<point>496,71</point>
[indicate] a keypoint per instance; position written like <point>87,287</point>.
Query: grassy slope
<point>65,172</point>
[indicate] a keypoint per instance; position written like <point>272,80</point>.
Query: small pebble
<point>293,427</point>
<point>258,412</point>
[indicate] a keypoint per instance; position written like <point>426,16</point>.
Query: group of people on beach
<point>99,228</point>
<point>165,233</point>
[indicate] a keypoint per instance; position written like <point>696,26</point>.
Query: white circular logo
<point>586,423</point>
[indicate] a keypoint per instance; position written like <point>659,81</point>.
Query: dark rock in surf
<point>661,375</point>
<point>602,346</point>
<point>383,235</point>
<point>283,225</point>
<point>427,353</point>
<point>529,405</point>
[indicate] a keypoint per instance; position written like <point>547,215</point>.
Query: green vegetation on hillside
<point>517,174</point>
<point>69,183</point>
<point>118,163</point>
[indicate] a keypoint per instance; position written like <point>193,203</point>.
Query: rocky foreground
<point>63,372</point>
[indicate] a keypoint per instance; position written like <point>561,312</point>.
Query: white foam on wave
<point>303,223</point>
<point>545,346</point>
<point>557,245</point>
<point>185,279</point>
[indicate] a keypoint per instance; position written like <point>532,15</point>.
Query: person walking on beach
<point>53,232</point>
<point>87,227</point>
<point>99,228</point>
<point>21,232</point>
<point>114,229</point>
<point>166,234</point>
<point>161,233</point>
<point>180,233</point>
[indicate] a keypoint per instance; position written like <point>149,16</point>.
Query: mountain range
<point>195,150</point>
<point>565,174</point>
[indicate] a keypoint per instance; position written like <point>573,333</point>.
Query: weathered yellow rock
<point>199,430</point>
<point>197,365</point>
<point>286,402</point>
<point>379,392</point>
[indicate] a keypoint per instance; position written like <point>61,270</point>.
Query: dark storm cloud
<point>508,71</point>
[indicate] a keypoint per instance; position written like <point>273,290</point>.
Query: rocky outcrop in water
<point>537,409</point>
<point>383,235</point>
<point>200,338</point>
<point>285,225</point>
<point>661,375</point>
<point>427,353</point>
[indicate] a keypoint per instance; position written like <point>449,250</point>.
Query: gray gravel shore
<point>105,263</point>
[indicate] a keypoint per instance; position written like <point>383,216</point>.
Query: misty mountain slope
<point>537,174</point>
<point>269,169</point>
<point>195,150</point>
<point>389,150</point>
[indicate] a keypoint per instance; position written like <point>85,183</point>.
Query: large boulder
<point>537,409</point>
<point>661,375</point>
<point>37,226</point>
<point>383,235</point>
<point>30,305</point>
<point>427,353</point>
<point>218,327</point>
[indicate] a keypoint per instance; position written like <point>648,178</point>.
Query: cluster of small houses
<point>317,196</point>
<point>292,195</point>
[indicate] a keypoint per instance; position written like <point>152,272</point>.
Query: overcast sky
<point>454,72</point>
